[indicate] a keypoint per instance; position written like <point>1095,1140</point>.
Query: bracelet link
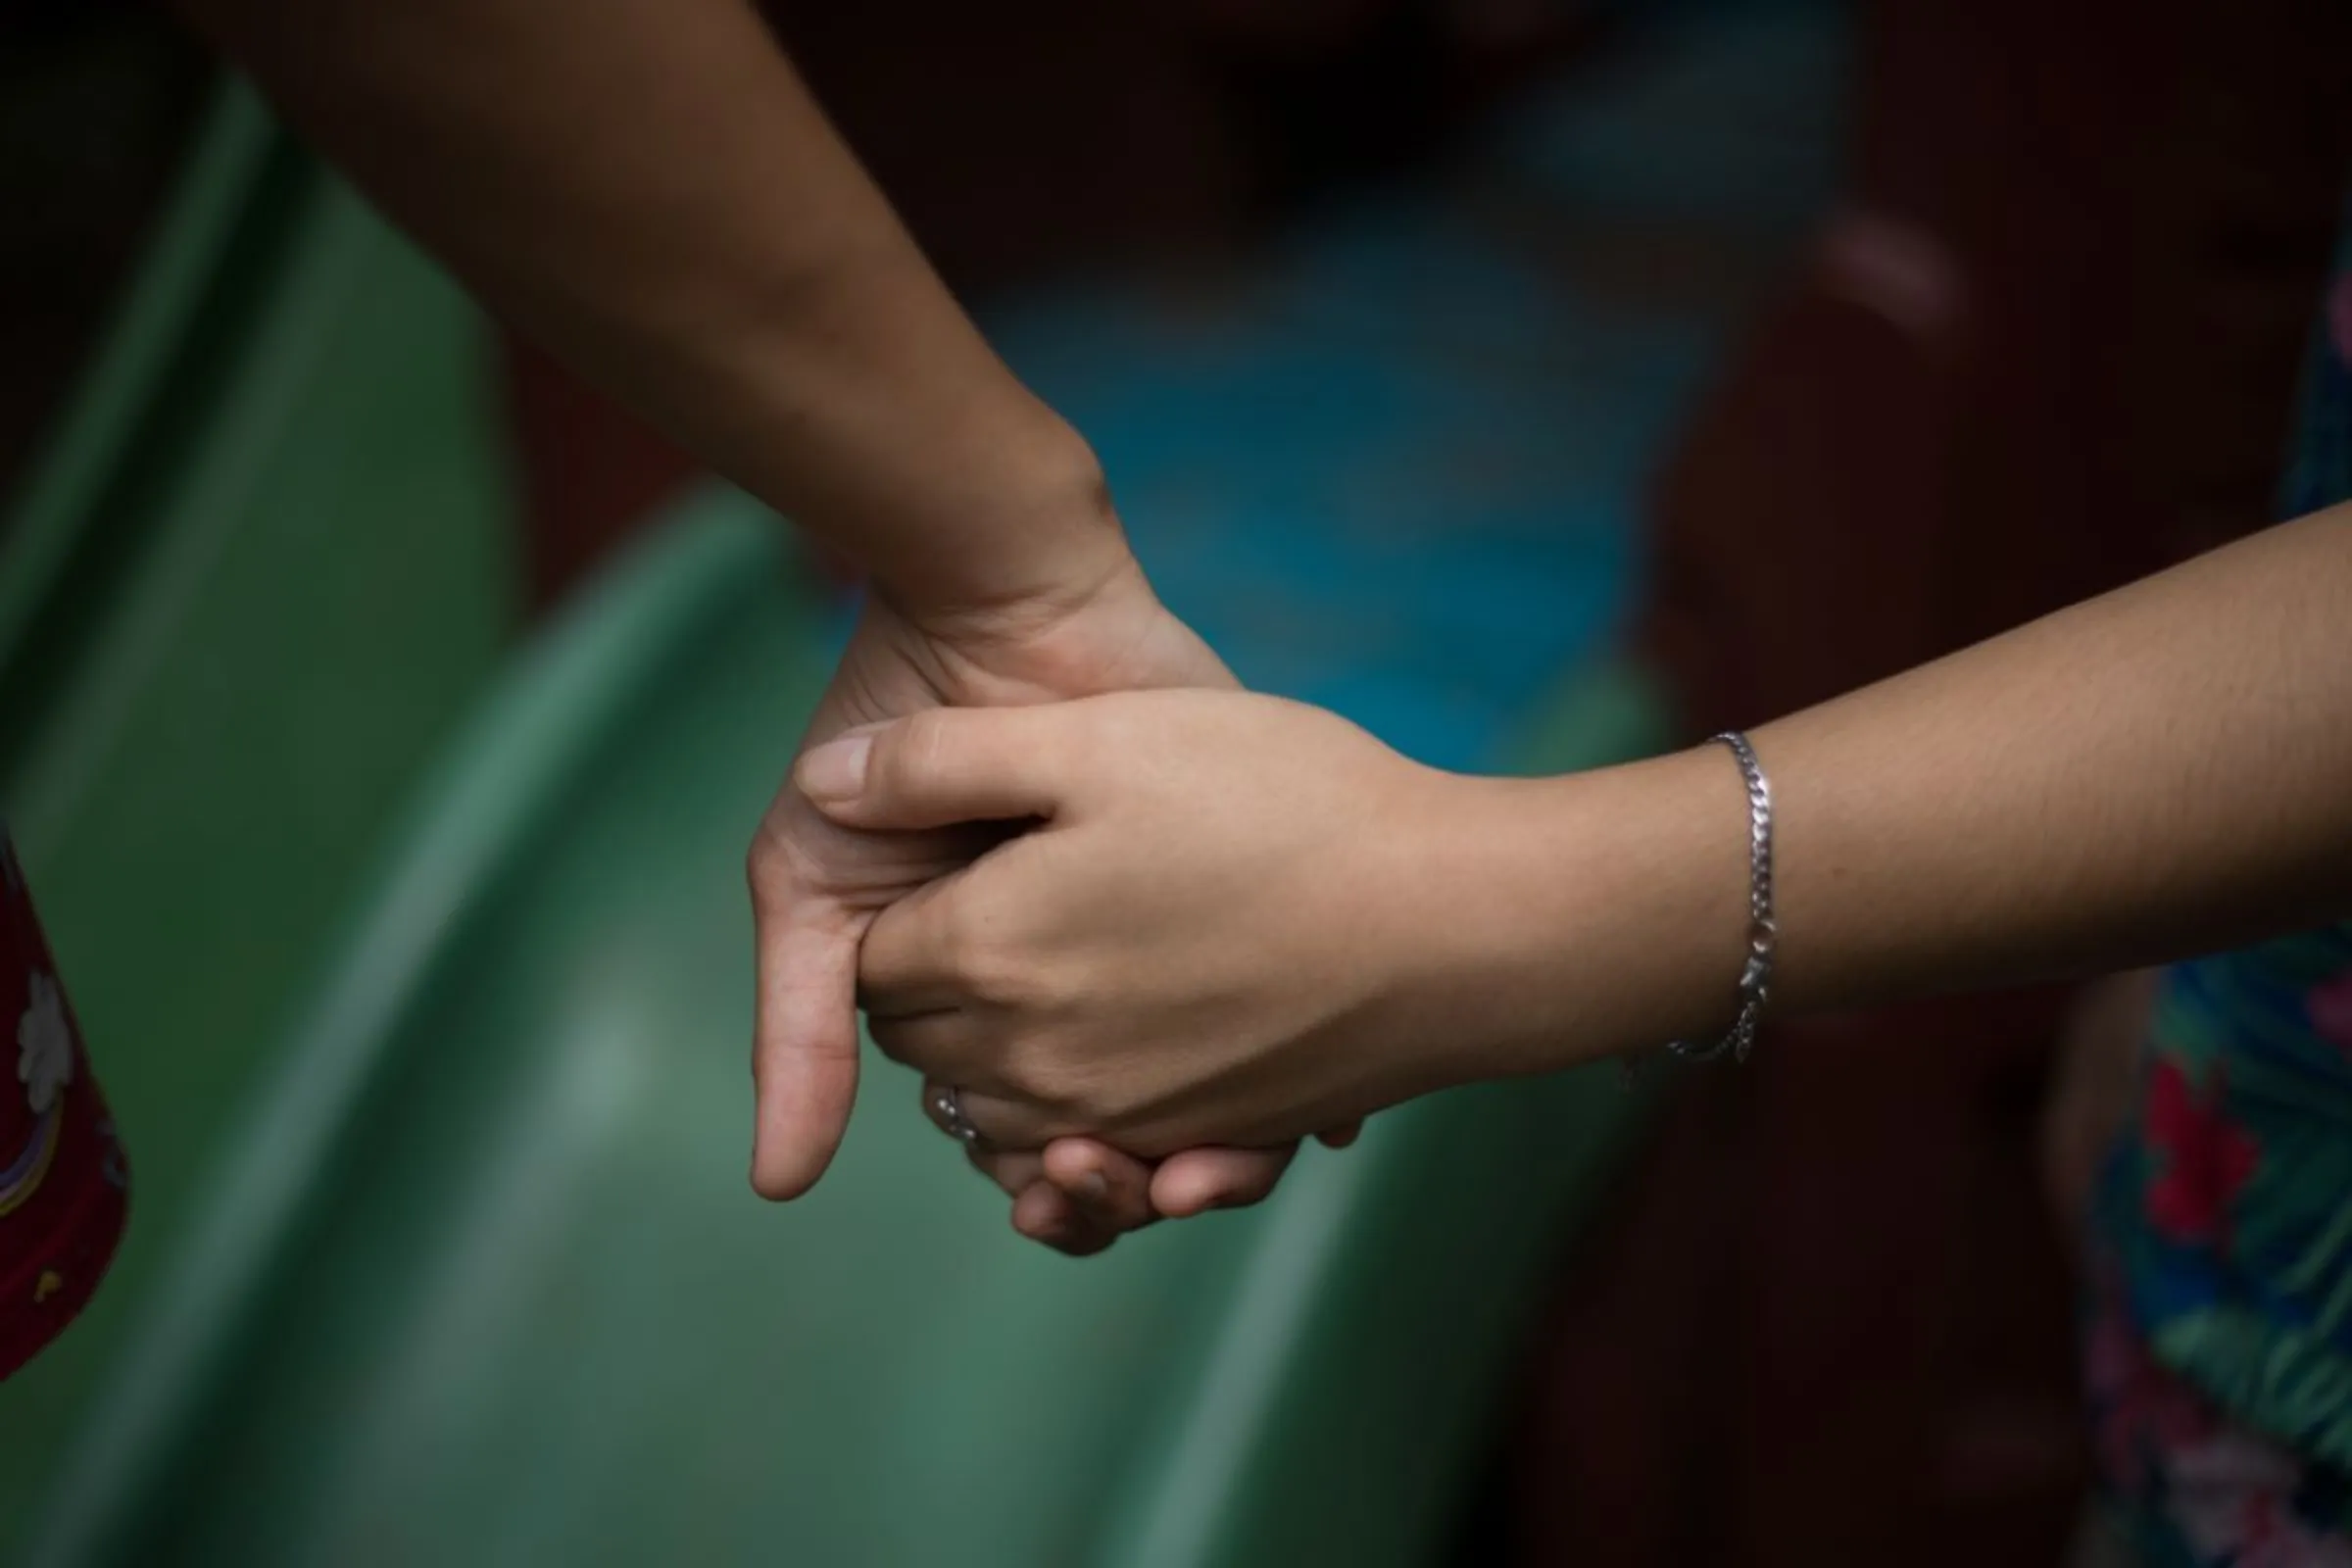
<point>1764,932</point>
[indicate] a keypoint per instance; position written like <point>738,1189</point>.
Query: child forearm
<point>2160,771</point>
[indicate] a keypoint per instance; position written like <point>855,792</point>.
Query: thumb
<point>937,767</point>
<point>804,1059</point>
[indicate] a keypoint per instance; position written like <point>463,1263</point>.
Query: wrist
<point>1592,914</point>
<point>967,498</point>
<point>871,413</point>
<point>1024,545</point>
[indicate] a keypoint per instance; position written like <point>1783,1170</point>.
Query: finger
<point>908,966</point>
<point>1005,1124</point>
<point>1014,1171</point>
<point>1071,1231</point>
<point>1050,1216</point>
<point>1110,1189</point>
<point>1197,1180</point>
<point>1342,1136</point>
<point>804,1050</point>
<point>942,1105</point>
<point>996,1127</point>
<point>937,767</point>
<point>943,1045</point>
<point>1045,1214</point>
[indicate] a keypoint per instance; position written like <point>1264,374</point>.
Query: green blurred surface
<point>487,1285</point>
<point>262,568</point>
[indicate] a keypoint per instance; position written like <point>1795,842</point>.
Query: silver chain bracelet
<point>1763,936</point>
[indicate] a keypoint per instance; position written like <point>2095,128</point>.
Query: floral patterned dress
<point>2220,1350</point>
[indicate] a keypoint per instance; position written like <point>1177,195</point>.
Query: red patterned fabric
<point>63,1183</point>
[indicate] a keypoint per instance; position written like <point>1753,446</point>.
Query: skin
<point>1238,918</point>
<point>648,189</point>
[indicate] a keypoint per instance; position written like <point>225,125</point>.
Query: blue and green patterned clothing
<point>2219,1350</point>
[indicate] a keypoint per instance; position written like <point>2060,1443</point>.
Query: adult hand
<point>1235,920</point>
<point>817,885</point>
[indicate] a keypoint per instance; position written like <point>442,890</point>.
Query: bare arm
<point>647,188</point>
<point>2162,770</point>
<point>1245,917</point>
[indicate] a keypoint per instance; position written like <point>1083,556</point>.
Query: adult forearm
<point>647,188</point>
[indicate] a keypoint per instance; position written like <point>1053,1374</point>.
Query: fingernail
<point>1092,1186</point>
<point>835,771</point>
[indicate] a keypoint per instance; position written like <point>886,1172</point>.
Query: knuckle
<point>986,954</point>
<point>1045,1077</point>
<point>960,936</point>
<point>917,750</point>
<point>1076,1092</point>
<point>778,868</point>
<point>766,867</point>
<point>995,977</point>
<point>891,1042</point>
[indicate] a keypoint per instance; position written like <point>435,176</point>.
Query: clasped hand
<point>1212,927</point>
<point>817,887</point>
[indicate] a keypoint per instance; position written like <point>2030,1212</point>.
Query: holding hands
<point>819,885</point>
<point>1195,924</point>
<point>1219,919</point>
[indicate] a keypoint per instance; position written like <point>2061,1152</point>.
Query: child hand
<point>1238,920</point>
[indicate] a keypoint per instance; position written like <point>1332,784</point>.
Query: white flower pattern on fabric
<point>44,1044</point>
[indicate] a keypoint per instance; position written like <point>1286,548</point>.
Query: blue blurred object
<point>1397,469</point>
